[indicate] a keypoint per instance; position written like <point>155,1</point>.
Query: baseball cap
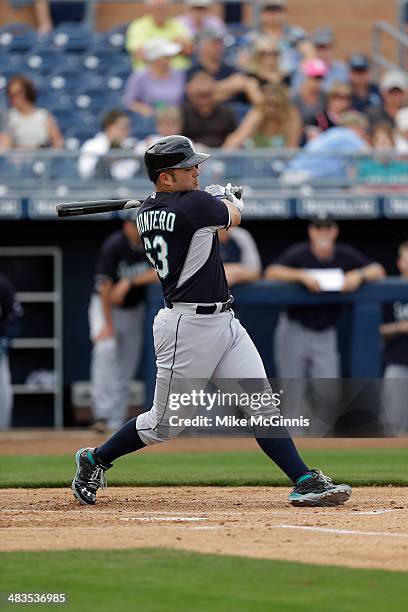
<point>323,36</point>
<point>209,34</point>
<point>401,119</point>
<point>200,3</point>
<point>160,47</point>
<point>314,67</point>
<point>394,79</point>
<point>359,62</point>
<point>322,219</point>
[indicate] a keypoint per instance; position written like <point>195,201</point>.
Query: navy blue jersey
<point>10,309</point>
<point>230,251</point>
<point>300,255</point>
<point>117,259</point>
<point>179,233</point>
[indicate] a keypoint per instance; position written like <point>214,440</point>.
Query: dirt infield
<point>368,531</point>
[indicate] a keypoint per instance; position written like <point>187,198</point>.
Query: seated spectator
<point>94,161</point>
<point>325,157</point>
<point>168,122</point>
<point>157,85</point>
<point>158,23</point>
<point>274,123</point>
<point>292,40</point>
<point>401,132</point>
<point>364,92</point>
<point>324,43</point>
<point>394,89</point>
<point>263,64</point>
<point>204,121</point>
<point>199,17</point>
<point>306,337</point>
<point>3,133</point>
<point>338,102</point>
<point>394,332</point>
<point>27,125</point>
<point>232,85</point>
<point>310,99</point>
<point>240,256</point>
<point>381,168</point>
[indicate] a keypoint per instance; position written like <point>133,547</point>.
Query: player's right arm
<point>105,290</point>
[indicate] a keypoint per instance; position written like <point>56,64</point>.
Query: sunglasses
<point>268,53</point>
<point>340,96</point>
<point>15,93</point>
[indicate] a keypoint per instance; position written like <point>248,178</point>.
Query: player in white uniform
<point>196,335</point>
<point>116,321</point>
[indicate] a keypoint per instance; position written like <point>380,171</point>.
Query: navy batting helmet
<point>171,152</point>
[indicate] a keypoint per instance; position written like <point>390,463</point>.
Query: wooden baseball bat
<point>90,207</point>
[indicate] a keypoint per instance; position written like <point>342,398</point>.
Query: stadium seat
<point>10,61</point>
<point>43,60</point>
<point>73,37</point>
<point>101,61</point>
<point>80,135</point>
<point>54,99</point>
<point>17,37</point>
<point>103,41</point>
<point>142,126</point>
<point>66,79</point>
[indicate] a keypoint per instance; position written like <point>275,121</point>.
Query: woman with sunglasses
<point>338,102</point>
<point>28,126</point>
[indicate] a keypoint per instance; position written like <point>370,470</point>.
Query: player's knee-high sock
<point>125,440</point>
<point>282,451</point>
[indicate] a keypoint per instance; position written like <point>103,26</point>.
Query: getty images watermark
<point>259,409</point>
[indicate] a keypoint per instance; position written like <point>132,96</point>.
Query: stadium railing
<point>367,187</point>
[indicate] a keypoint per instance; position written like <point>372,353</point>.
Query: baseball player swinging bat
<point>90,207</point>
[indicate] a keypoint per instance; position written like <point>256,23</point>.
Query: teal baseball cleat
<point>316,489</point>
<point>89,477</point>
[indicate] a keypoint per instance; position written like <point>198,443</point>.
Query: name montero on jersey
<point>155,219</point>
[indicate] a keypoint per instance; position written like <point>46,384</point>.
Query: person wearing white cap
<point>157,23</point>
<point>394,90</point>
<point>157,85</point>
<point>199,17</point>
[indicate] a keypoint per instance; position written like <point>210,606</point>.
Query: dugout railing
<point>364,346</point>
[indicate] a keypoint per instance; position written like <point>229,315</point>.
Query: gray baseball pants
<point>197,347</point>
<point>6,394</point>
<point>114,361</point>
<point>394,400</point>
<point>301,353</point>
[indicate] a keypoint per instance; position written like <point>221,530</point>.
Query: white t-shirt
<point>29,130</point>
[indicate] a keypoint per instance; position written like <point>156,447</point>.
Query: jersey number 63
<point>157,252</point>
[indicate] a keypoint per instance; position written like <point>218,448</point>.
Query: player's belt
<point>201,309</point>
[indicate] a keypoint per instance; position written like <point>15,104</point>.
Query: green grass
<point>368,466</point>
<point>163,580</point>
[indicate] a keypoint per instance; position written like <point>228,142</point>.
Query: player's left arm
<point>231,196</point>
